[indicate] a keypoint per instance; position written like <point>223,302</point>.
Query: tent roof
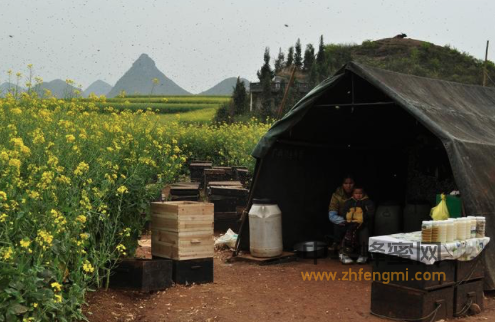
<point>452,111</point>
<point>461,116</point>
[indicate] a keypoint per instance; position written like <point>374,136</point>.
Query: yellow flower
<point>7,253</point>
<point>44,238</point>
<point>84,236</point>
<point>58,298</point>
<point>33,194</point>
<point>81,219</point>
<point>56,286</point>
<point>3,217</point>
<point>35,305</point>
<point>3,195</point>
<point>81,168</point>
<point>87,267</point>
<point>70,138</point>
<point>15,163</point>
<point>25,243</point>
<point>4,156</point>
<point>122,189</point>
<point>121,249</point>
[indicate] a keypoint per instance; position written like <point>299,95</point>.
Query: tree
<point>266,70</point>
<point>321,61</point>
<point>224,113</point>
<point>309,58</point>
<point>298,61</point>
<point>290,57</point>
<point>313,78</point>
<point>279,62</point>
<point>239,97</point>
<point>320,58</point>
<point>266,98</point>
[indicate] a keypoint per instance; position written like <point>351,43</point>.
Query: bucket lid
<point>263,201</point>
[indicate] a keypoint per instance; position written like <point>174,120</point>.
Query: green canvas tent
<point>372,123</point>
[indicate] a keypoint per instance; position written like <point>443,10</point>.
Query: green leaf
<point>17,285</point>
<point>18,309</point>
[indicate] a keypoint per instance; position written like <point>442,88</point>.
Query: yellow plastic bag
<point>440,212</point>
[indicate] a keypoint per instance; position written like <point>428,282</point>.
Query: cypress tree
<point>266,70</point>
<point>266,98</point>
<point>313,78</point>
<point>239,97</point>
<point>321,60</point>
<point>279,62</point>
<point>290,57</point>
<point>309,58</point>
<point>298,60</point>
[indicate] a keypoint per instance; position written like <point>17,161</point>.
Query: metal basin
<point>307,249</point>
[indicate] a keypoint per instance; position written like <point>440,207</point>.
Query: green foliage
<point>266,70</point>
<point>156,107</point>
<point>422,59</point>
<point>320,62</point>
<point>224,113</point>
<point>309,58</point>
<point>239,98</point>
<point>290,57</point>
<point>74,185</point>
<point>279,62</point>
<point>267,101</point>
<point>298,60</point>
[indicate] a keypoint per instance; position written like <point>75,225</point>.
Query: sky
<point>199,43</point>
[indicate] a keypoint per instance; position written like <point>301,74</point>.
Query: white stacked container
<point>450,231</point>
<point>442,231</point>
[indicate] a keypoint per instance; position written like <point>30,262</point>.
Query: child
<point>358,210</point>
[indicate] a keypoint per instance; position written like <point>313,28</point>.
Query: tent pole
<point>352,88</point>
<point>485,71</point>
<point>248,207</point>
<point>282,105</point>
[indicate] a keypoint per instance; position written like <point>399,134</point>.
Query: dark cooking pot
<point>307,249</point>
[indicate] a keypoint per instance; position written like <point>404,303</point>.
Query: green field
<point>184,109</point>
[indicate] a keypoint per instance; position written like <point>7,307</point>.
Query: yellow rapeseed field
<point>74,185</point>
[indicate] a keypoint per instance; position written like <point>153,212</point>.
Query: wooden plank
<point>182,207</point>
<point>225,183</point>
<point>285,257</point>
<point>172,216</point>
<point>166,250</point>
<point>174,225</point>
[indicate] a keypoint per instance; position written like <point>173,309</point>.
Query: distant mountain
<point>139,80</point>
<point>225,87</point>
<point>5,87</point>
<point>57,87</point>
<point>98,88</point>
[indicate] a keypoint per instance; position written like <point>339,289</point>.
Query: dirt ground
<point>245,291</point>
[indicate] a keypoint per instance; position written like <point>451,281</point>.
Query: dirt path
<point>249,292</point>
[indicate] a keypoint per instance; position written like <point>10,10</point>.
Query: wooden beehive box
<point>182,230</point>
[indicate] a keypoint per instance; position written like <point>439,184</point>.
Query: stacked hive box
<point>197,168</point>
<point>183,232</point>
<point>218,174</point>
<point>469,284</point>
<point>414,299</point>
<point>181,191</point>
<point>227,199</point>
